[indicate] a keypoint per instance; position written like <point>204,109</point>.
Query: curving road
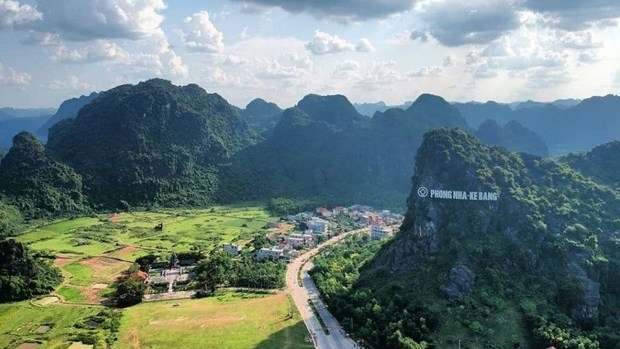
<point>337,339</point>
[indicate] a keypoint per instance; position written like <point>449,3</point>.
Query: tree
<point>215,270</point>
<point>129,290</point>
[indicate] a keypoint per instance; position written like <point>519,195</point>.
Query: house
<point>297,240</point>
<point>232,249</point>
<point>339,210</point>
<point>380,231</point>
<point>318,226</point>
<point>273,253</point>
<point>324,212</point>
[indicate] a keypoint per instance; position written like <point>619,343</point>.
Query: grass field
<point>20,322</point>
<point>91,250</point>
<point>228,320</point>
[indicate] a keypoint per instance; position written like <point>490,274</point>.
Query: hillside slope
<point>151,143</point>
<point>529,261</point>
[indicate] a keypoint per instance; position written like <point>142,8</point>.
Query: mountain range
<point>180,145</point>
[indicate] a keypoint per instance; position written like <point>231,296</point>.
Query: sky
<point>282,50</point>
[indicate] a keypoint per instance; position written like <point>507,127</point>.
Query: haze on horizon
<point>281,50</point>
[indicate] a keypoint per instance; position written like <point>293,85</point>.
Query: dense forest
<point>538,267</point>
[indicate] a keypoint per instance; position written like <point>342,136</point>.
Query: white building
<point>318,226</point>
<point>296,240</point>
<point>232,249</point>
<point>379,231</point>
<point>273,253</point>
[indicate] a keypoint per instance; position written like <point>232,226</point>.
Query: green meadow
<point>183,230</point>
<point>93,251</point>
<point>225,321</point>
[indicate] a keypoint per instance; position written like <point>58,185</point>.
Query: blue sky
<point>281,50</point>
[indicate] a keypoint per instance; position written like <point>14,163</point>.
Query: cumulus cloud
<point>338,9</point>
<point>382,73</point>
<point>82,20</point>
<point>199,34</point>
<point>101,50</point>
<point>456,22</point>
<point>9,76</point>
<point>364,45</point>
<point>12,13</point>
<point>580,40</point>
<point>324,43</point>
<point>577,14</point>
<point>285,67</point>
<point>346,69</point>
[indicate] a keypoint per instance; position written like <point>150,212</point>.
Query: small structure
<point>324,212</point>
<point>380,231</point>
<point>232,249</point>
<point>318,226</point>
<point>273,253</point>
<point>297,240</point>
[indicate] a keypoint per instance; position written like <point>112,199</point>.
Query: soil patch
<point>114,218</point>
<point>46,301</point>
<point>29,345</point>
<point>105,268</point>
<point>61,261</point>
<point>80,345</point>
<point>128,249</point>
<point>92,293</point>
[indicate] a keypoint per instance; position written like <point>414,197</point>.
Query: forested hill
<point>497,250</point>
<point>151,143</point>
<point>601,163</point>
<point>36,183</point>
<point>323,149</point>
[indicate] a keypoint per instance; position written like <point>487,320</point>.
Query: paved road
<point>336,339</point>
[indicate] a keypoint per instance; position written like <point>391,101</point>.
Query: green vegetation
<point>167,142</point>
<point>227,320</point>
<point>57,326</point>
<point>220,269</point>
<point>538,267</point>
<point>37,184</point>
<point>24,274</point>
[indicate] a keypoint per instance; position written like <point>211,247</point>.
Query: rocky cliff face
<point>485,226</point>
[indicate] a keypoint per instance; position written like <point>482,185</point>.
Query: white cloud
<point>346,69</point>
<point>427,71</point>
<point>10,76</point>
<point>41,39</point>
<point>12,13</point>
<point>199,34</point>
<point>324,43</point>
<point>82,20</point>
<point>287,66</point>
<point>364,45</point>
<point>101,50</point>
<point>381,73</point>
<point>71,82</point>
